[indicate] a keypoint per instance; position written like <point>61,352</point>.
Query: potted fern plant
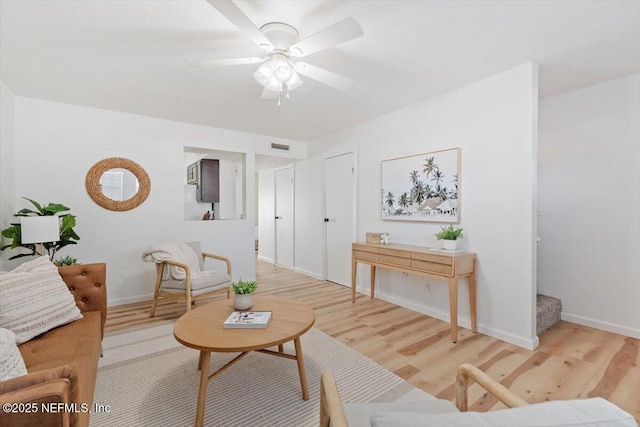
<point>449,236</point>
<point>243,290</point>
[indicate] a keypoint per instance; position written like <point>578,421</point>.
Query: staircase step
<point>548,311</point>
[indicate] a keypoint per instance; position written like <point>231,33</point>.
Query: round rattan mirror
<point>112,172</point>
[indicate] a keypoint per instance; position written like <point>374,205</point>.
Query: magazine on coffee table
<point>248,319</point>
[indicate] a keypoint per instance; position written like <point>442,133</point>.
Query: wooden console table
<point>423,261</point>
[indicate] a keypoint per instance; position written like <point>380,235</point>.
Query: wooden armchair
<point>190,289</point>
<point>332,412</point>
<point>584,412</point>
<point>500,392</point>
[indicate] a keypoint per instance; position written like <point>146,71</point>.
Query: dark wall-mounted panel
<point>207,180</point>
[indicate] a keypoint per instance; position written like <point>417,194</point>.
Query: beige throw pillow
<point>11,362</point>
<point>35,299</point>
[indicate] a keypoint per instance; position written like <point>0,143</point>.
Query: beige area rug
<point>148,379</point>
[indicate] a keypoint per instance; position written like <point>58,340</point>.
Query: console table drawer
<point>394,260</point>
<point>439,259</point>
<point>395,252</point>
<point>365,256</point>
<point>432,267</point>
<point>364,248</point>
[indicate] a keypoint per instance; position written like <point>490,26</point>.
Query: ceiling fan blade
<point>269,94</point>
<point>323,76</point>
<point>225,62</point>
<point>340,32</point>
<point>240,20</point>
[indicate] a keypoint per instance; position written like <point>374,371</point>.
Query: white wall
<point>494,121</point>
<point>589,176</point>
<point>7,168</point>
<point>56,144</point>
<point>227,175</point>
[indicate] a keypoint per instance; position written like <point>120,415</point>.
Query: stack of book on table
<point>248,319</point>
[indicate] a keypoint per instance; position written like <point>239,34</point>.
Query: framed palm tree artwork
<point>422,187</point>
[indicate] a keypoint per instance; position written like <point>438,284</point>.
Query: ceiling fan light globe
<point>282,69</point>
<point>264,74</point>
<point>274,85</point>
<point>260,78</point>
<point>283,73</point>
<point>294,82</point>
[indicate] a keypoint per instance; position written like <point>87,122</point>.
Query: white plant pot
<point>450,245</point>
<point>242,301</point>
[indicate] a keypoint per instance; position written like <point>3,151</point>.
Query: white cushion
<point>205,281</point>
<point>35,299</point>
<point>11,362</point>
<point>359,414</point>
<point>595,412</point>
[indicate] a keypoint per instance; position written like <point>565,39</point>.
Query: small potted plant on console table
<point>449,236</point>
<point>243,290</point>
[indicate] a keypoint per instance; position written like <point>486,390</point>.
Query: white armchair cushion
<point>359,414</point>
<point>203,281</point>
<point>595,412</point>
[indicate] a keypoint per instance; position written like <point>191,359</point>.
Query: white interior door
<point>339,213</point>
<point>266,211</point>
<point>284,217</point>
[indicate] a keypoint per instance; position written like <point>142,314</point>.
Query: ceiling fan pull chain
<point>278,99</point>
<point>287,89</point>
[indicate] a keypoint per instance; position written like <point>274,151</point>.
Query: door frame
<point>293,215</point>
<point>354,198</point>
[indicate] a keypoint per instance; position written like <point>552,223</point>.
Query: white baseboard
<point>599,324</point>
<point>129,300</point>
<point>308,273</point>
<point>269,260</point>
<point>526,343</point>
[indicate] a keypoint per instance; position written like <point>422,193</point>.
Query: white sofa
<point>594,412</point>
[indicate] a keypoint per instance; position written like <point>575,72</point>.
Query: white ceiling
<point>130,55</point>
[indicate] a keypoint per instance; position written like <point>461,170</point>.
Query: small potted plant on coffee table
<point>449,236</point>
<point>243,290</point>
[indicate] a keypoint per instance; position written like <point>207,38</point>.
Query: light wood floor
<point>571,362</point>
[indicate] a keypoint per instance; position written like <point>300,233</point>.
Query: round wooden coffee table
<point>202,330</point>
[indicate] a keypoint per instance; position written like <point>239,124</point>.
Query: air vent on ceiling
<point>281,147</point>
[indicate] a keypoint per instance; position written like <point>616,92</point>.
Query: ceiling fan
<point>281,42</point>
